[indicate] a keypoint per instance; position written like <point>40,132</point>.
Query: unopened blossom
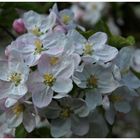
<point>18,26</point>
<point>13,77</point>
<point>95,48</point>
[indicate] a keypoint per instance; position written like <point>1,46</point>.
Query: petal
<point>53,110</point>
<point>4,70</point>
<point>60,127</point>
<point>124,58</point>
<point>98,40</point>
<point>48,23</point>
<point>42,97</point>
<point>5,89</point>
<point>54,43</point>
<point>65,68</point>
<point>80,126</point>
<point>110,115</point>
<point>14,120</point>
<point>106,54</point>
<point>93,99</point>
<point>131,81</point>
<point>28,121</point>
<point>62,85</point>
<point>31,19</point>
<point>10,102</point>
<point>122,106</point>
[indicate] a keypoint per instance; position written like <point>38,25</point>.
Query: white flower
<point>96,77</point>
<point>13,77</point>
<point>38,24</point>
<point>53,75</point>
<point>95,48</point>
<point>32,47</point>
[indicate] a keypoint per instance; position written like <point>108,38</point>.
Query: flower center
<point>18,108</point>
<point>88,49</point>
<point>66,112</point>
<point>94,7</point>
<point>65,19</point>
<point>116,98</point>
<point>49,79</point>
<point>36,31</point>
<point>54,60</point>
<point>38,46</point>
<point>92,81</point>
<point>16,78</point>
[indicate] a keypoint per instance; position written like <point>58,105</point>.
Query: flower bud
<point>18,26</point>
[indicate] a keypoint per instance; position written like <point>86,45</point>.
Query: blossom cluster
<point>51,70</point>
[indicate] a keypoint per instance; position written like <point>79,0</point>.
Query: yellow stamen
<point>54,60</point>
<point>88,49</point>
<point>38,46</point>
<point>92,81</point>
<point>18,108</point>
<point>66,19</point>
<point>65,113</point>
<point>49,79</point>
<point>16,78</point>
<point>36,31</point>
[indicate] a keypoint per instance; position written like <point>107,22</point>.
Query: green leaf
<point>20,132</point>
<point>119,41</point>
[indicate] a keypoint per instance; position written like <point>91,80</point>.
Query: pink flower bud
<point>18,26</point>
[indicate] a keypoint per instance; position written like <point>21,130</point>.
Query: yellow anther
<point>49,79</point>
<point>18,108</point>
<point>65,19</point>
<point>92,81</point>
<point>54,60</point>
<point>36,31</point>
<point>88,49</point>
<point>38,46</point>
<point>65,113</point>
<point>15,78</point>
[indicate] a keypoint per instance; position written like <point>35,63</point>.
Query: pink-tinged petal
<point>62,85</point>
<point>44,65</point>
<point>34,78</point>
<point>28,121</point>
<point>42,97</point>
